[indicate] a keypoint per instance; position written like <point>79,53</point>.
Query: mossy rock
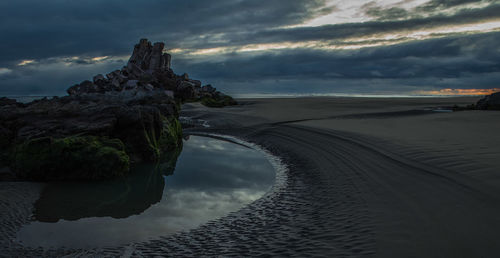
<point>71,158</point>
<point>169,137</point>
<point>218,102</point>
<point>170,144</point>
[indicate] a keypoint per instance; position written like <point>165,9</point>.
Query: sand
<point>365,177</point>
<point>429,182</point>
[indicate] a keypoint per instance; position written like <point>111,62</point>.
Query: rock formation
<point>104,125</point>
<point>490,102</point>
<point>148,70</point>
<point>89,137</point>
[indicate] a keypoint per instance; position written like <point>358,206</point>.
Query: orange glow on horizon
<point>460,92</point>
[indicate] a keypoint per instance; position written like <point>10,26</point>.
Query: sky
<point>259,46</point>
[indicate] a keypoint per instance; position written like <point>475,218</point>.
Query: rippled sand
<point>365,177</point>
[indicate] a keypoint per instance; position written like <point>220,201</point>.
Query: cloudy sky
<point>259,46</point>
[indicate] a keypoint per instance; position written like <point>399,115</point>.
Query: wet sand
<point>366,177</point>
<point>413,182</point>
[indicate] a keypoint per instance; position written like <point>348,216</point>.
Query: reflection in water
<point>118,198</point>
<point>212,177</point>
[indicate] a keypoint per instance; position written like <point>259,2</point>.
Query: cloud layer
<point>257,46</point>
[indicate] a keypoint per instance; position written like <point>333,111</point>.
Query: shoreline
<point>280,168</point>
<point>30,191</point>
<point>441,159</point>
<point>353,187</point>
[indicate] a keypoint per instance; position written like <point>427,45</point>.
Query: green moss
<point>150,136</point>
<point>171,135</point>
<point>85,157</point>
<point>218,101</point>
<point>168,138</point>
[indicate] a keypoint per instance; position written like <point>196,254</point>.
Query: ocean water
<point>211,179</point>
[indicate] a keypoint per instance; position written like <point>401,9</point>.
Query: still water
<point>210,179</point>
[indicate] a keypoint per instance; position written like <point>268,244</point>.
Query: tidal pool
<point>210,179</point>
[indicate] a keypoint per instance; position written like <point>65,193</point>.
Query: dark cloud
<point>52,76</point>
<point>447,57</point>
<point>34,29</point>
<point>60,28</point>
<point>392,13</point>
<point>432,8</point>
<point>52,33</point>
<point>430,61</point>
<point>435,5</point>
<point>342,31</point>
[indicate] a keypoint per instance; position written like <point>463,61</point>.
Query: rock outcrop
<point>490,102</point>
<point>148,70</point>
<point>70,137</point>
<point>104,125</point>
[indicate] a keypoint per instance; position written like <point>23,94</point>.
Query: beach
<point>376,177</point>
<point>413,182</point>
<point>250,128</point>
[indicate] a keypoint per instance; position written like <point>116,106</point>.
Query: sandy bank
<point>366,177</point>
<point>427,182</point>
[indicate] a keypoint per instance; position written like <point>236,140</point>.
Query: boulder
<point>490,102</point>
<point>185,90</point>
<point>131,84</point>
<point>83,88</point>
<point>196,83</point>
<point>124,72</point>
<point>98,78</point>
<point>208,88</point>
<point>116,84</point>
<point>134,71</point>
<point>113,74</point>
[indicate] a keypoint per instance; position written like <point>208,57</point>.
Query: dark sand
<point>366,177</point>
<point>402,181</point>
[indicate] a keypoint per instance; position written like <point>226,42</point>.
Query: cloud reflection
<point>211,178</point>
